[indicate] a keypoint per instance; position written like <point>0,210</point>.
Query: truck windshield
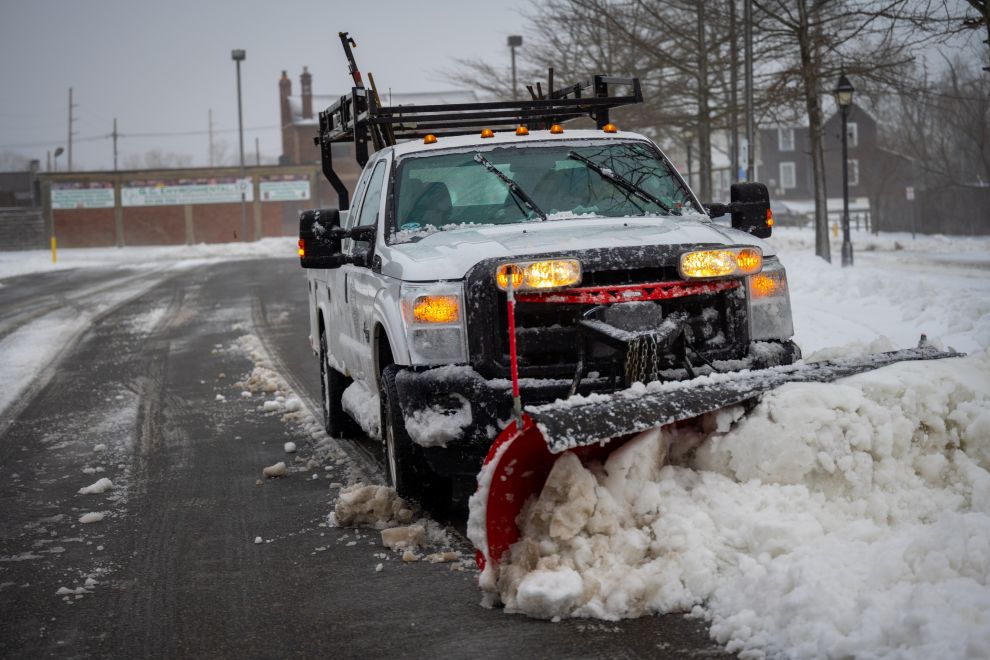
<point>564,180</point>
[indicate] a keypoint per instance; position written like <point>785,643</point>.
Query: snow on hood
<point>448,255</point>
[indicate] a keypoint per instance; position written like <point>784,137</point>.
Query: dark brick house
<point>878,178</point>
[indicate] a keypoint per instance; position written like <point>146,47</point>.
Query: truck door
<point>361,284</point>
<point>338,322</point>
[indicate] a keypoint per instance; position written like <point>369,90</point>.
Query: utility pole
<point>71,106</point>
<point>733,91</point>
<point>748,38</point>
<point>114,144</point>
<point>257,153</point>
<point>210,111</point>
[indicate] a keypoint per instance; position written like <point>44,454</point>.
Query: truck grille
<point>547,336</point>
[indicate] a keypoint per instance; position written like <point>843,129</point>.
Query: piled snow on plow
<point>829,520</point>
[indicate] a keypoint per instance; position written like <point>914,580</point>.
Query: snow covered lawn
<point>832,521</point>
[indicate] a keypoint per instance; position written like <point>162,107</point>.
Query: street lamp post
<point>58,152</point>
<point>514,42</point>
<point>238,56</point>
<point>843,97</point>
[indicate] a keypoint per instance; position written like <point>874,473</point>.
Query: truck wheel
<point>405,467</point>
<point>336,422</point>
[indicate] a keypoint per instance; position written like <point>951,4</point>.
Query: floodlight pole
<point>514,42</point>
<point>750,128</point>
<point>238,57</point>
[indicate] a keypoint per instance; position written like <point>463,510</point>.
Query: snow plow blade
<point>519,461</point>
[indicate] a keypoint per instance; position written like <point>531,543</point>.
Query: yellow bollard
<point>53,250</point>
<point>835,230</point>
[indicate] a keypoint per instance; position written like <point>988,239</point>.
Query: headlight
<point>539,275</point>
<point>726,262</point>
<point>769,303</point>
<point>433,316</point>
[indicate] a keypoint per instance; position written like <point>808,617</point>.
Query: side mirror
<point>750,208</point>
<point>320,235</point>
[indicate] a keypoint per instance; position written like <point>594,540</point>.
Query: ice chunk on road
<point>277,470</point>
<point>404,538</point>
<point>289,447</point>
<point>101,486</point>
<point>372,505</point>
<point>92,517</point>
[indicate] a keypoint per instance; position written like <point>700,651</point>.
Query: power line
<point>107,136</point>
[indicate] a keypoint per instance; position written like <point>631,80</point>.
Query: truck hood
<point>448,255</point>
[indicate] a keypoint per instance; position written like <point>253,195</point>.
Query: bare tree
<point>871,41</point>
<point>157,159</point>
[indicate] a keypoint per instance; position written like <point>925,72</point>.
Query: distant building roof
<point>322,101</point>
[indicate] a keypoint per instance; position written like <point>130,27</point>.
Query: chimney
<point>284,92</point>
<point>306,82</point>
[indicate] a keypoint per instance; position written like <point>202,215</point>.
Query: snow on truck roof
<point>510,138</point>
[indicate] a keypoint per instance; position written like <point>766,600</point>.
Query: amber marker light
<point>522,130</point>
<point>430,139</point>
<point>487,133</point>
<point>556,129</point>
<point>769,218</point>
<point>749,261</point>
<point>610,128</point>
<point>436,309</point>
<point>764,285</point>
<point>706,264</point>
<point>539,275</point>
<point>302,248</point>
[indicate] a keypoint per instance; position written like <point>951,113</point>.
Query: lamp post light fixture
<point>58,152</point>
<point>844,97</point>
<point>514,42</point>
<point>238,55</point>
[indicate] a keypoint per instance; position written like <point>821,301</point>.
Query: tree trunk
<point>808,45</point>
<point>704,112</point>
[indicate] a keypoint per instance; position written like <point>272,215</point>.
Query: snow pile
<point>436,426</point>
<point>30,261</point>
<point>364,406</point>
<point>831,520</point>
<point>275,471</point>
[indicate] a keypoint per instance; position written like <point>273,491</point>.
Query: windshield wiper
<point>610,175</point>
<point>512,185</point>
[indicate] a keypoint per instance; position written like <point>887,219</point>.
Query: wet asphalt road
<point>173,567</point>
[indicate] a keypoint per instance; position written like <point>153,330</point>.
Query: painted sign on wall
<point>284,187</point>
<point>82,195</point>
<point>220,190</point>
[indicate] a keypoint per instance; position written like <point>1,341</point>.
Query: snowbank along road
<point>140,407</point>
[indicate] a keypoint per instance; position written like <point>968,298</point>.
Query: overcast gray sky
<point>159,66</point>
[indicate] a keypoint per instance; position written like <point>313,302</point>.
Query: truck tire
<point>336,422</point>
<point>405,468</point>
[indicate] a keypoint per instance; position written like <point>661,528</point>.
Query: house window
<point>785,139</point>
<point>853,172</point>
<point>853,133</point>
<point>787,176</point>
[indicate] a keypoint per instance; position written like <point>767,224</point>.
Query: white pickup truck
<point>618,271</point>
